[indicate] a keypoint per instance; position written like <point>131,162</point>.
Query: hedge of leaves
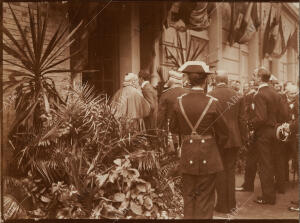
<point>80,165</point>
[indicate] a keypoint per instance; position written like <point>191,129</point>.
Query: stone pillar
<point>253,56</point>
<point>215,38</point>
<point>276,69</point>
<point>291,71</point>
<point>129,40</point>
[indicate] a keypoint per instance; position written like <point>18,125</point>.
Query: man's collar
<point>197,88</point>
<point>144,83</point>
<point>262,85</point>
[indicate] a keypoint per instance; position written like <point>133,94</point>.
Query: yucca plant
<point>181,56</point>
<point>34,61</point>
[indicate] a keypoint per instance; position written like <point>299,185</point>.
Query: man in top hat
<point>169,98</point>
<point>231,104</point>
<point>266,116</point>
<point>198,120</point>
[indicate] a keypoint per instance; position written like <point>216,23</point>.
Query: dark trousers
<point>251,168</point>
<point>265,143</point>
<point>198,196</point>
<point>280,156</point>
<point>225,184</point>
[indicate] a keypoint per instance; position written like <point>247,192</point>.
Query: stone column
<point>253,53</point>
<point>291,71</point>
<point>129,40</point>
<point>276,69</point>
<point>215,38</point>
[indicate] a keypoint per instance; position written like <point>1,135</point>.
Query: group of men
<point>252,119</point>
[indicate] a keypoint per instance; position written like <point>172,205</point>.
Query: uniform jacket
<point>232,107</point>
<point>203,157</point>
<point>294,114</point>
<point>267,109</point>
<point>166,104</point>
<point>150,95</point>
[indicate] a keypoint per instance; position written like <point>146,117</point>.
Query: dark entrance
<point>103,52</point>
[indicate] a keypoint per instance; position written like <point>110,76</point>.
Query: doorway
<point>103,52</point>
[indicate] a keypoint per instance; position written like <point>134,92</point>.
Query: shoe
<point>295,202</point>
<point>263,201</point>
<point>242,189</point>
<point>293,209</point>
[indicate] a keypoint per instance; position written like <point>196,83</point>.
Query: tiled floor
<point>247,209</point>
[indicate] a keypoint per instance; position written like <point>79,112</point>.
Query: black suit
<point>200,159</point>
<point>266,110</point>
<point>150,94</point>
<point>252,154</point>
<point>232,109</point>
<point>166,105</point>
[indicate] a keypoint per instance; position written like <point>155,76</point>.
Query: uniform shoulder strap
<point>194,128</point>
<point>183,113</point>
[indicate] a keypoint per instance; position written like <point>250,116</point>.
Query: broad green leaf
<point>101,179</point>
<point>118,162</point>
<point>140,199</point>
<point>148,204</point>
<point>119,197</point>
<point>135,208</point>
<point>141,187</point>
<point>124,205</point>
<point>45,199</point>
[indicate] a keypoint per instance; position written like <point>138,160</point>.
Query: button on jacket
<point>200,157</point>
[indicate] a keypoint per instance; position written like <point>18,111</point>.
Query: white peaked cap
<point>195,67</point>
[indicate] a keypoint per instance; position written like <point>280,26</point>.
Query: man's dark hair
<point>145,75</point>
<point>265,78</point>
<point>264,74</point>
<point>197,79</point>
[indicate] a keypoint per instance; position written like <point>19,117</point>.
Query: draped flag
<point>196,15</point>
<point>280,45</point>
<point>293,41</point>
<point>274,43</point>
<point>244,22</point>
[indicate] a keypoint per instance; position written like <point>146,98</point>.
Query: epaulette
<point>212,97</point>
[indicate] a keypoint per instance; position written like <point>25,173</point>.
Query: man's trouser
<point>199,196</point>
<point>280,156</point>
<point>251,168</point>
<point>265,143</point>
<point>226,181</point>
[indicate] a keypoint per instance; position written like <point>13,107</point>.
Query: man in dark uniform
<point>251,155</point>
<point>232,108</point>
<point>266,109</point>
<point>150,94</point>
<point>166,105</point>
<point>291,128</point>
<point>198,120</point>
<point>169,98</point>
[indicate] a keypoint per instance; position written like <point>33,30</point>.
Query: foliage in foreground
<point>81,165</point>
